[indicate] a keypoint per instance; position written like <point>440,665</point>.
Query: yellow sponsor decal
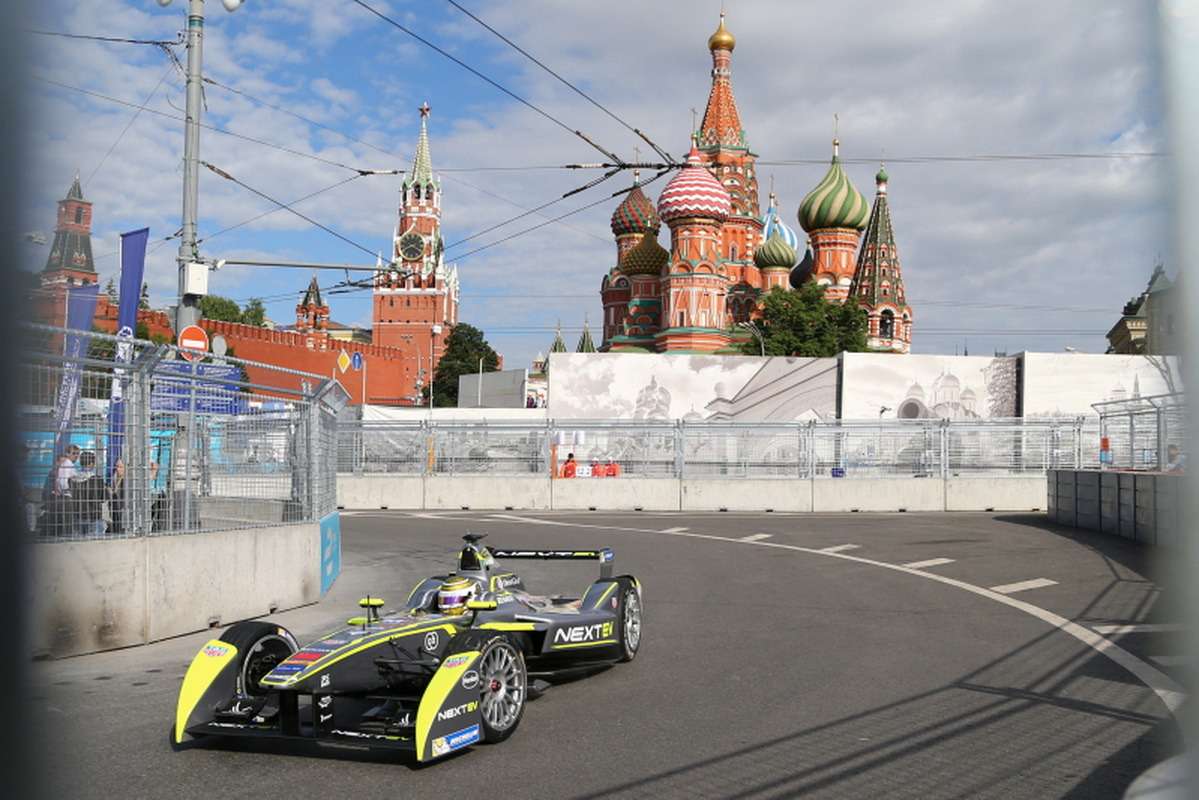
<point>444,681</point>
<point>208,663</point>
<point>507,626</point>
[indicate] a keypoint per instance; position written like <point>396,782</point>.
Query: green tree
<point>110,289</point>
<point>803,323</point>
<point>213,306</point>
<point>254,313</point>
<point>464,347</point>
<point>144,300</point>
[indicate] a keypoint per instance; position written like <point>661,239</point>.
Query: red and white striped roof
<point>694,192</point>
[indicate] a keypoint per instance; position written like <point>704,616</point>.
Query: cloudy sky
<point>997,254</point>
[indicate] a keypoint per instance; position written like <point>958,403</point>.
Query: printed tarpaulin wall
<point>889,386</point>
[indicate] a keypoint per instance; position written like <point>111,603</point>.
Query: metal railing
<point>188,447</point>
<point>678,449</point>
<point>1144,433</point>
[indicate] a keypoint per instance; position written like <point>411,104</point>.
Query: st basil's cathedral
<point>725,254</point>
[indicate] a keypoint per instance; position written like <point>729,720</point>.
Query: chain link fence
<point>127,439</point>
<point>1143,433</point>
<point>667,449</point>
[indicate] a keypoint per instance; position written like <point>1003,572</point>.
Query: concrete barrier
<point>996,493</point>
<point>452,492</point>
<point>878,494</point>
<point>616,494</point>
<point>99,595</point>
<point>1143,506</point>
<point>384,490</point>
<point>748,494</point>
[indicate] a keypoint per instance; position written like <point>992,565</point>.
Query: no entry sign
<point>193,343</point>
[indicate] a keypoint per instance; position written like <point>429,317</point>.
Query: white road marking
<point>1166,688</point>
<point>755,537</point>
<point>840,548</point>
<point>932,562</point>
<point>1023,586</point>
<point>674,530</point>
<point>1171,661</point>
<point>1144,628</point>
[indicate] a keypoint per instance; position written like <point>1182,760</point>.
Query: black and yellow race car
<point>453,667</point>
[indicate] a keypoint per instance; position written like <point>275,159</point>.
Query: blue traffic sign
<point>356,361</point>
<point>214,389</point>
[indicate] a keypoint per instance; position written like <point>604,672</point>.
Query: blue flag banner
<point>133,267</point>
<point>81,309</point>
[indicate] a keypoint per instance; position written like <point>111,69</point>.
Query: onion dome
<point>775,254</point>
<point>772,223</point>
<point>722,39</point>
<point>881,176</point>
<point>647,257</point>
<point>694,192</point>
<point>635,214</point>
<point>968,395</point>
<point>915,392</point>
<point>834,203</point>
<point>802,270</point>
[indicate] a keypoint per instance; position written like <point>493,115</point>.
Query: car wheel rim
<point>632,621</point>
<point>503,687</point>
<point>263,657</point>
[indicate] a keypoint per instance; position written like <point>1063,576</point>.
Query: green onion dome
<point>635,214</point>
<point>647,257</point>
<point>834,203</point>
<point>774,254</point>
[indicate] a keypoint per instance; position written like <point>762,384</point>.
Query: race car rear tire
<point>503,680</point>
<point>630,619</point>
<point>260,648</point>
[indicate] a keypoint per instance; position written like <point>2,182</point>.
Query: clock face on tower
<point>411,246</point>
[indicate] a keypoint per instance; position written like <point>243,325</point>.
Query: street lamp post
<point>479,401</point>
<point>188,311</point>
<point>436,329</point>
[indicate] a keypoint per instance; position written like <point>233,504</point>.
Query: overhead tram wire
<point>390,154</point>
<point>112,39</point>
<point>666,156</point>
<point>129,124</point>
<point>492,82</point>
<point>285,207</point>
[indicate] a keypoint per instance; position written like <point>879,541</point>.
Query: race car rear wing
<point>604,555</point>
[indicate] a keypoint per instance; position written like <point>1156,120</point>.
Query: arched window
<point>416,192</point>
<point>733,252</point>
<point>886,325</point>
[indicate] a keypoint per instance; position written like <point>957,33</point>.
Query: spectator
<point>116,497</point>
<point>597,469</point>
<point>613,468</point>
<point>1175,460</point>
<point>65,471</point>
<point>87,498</point>
<point>570,467</point>
<point>56,511</point>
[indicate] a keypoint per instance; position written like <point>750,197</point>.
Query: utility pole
<point>193,273</point>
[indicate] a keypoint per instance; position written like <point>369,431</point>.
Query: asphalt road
<point>768,669</point>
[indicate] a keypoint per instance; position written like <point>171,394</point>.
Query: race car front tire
<point>630,618</point>
<point>503,680</point>
<point>260,648</point>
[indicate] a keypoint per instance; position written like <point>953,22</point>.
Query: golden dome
<point>722,39</point>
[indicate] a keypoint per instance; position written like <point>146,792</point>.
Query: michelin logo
<point>456,740</point>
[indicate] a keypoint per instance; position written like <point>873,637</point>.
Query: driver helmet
<point>453,594</point>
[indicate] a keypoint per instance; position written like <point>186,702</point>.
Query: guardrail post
<point>944,426</point>
<point>679,458</point>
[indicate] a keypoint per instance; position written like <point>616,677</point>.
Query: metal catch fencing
<point>126,439</point>
<point>1143,433</point>
<point>670,449</point>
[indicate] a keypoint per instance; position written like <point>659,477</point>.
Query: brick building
<point>415,302</point>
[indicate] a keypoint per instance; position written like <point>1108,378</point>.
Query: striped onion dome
<point>803,270</point>
<point>635,214</point>
<point>772,223</point>
<point>694,192</point>
<point>834,203</point>
<point>775,254</point>
<point>647,257</point>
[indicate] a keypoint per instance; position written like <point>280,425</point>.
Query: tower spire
<point>422,164</point>
<point>722,122</point>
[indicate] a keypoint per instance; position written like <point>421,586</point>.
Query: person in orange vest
<point>597,469</point>
<point>613,470</point>
<point>568,469</point>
